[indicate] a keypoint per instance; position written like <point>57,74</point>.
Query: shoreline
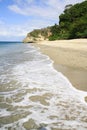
<point>70,58</point>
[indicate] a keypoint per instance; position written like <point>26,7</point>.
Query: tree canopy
<point>72,23</point>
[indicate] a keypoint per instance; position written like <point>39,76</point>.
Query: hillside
<point>38,35</point>
<point>72,25</point>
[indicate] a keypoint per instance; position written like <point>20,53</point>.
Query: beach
<point>70,58</point>
<point>34,95</point>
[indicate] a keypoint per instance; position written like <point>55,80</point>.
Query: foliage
<point>40,32</point>
<point>72,23</point>
<point>55,31</point>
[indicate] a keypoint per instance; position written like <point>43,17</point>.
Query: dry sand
<point>70,58</point>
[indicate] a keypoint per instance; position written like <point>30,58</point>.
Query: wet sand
<point>70,58</point>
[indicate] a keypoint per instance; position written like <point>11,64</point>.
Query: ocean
<point>33,95</point>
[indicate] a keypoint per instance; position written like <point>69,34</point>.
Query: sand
<point>70,58</point>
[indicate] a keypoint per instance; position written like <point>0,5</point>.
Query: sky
<point>18,17</point>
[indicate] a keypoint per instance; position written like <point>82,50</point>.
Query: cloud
<point>16,9</point>
<point>43,12</point>
<point>46,8</point>
<point>10,30</point>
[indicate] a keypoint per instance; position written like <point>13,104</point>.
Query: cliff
<point>38,35</point>
<point>72,25</point>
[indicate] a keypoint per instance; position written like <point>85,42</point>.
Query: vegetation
<point>72,23</point>
<point>40,32</point>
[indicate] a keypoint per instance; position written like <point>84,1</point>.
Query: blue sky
<point>18,17</point>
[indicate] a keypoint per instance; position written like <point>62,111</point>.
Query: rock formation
<point>38,35</point>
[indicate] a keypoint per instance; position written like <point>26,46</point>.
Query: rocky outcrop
<point>38,35</point>
<point>31,39</point>
<point>28,39</point>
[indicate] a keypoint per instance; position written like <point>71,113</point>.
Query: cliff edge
<point>38,35</point>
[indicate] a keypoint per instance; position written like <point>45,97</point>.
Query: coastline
<point>70,58</point>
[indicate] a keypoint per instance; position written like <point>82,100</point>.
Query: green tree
<point>72,23</point>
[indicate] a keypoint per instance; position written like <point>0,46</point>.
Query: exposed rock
<point>38,35</point>
<point>28,39</point>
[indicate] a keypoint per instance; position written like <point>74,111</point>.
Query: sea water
<point>33,95</point>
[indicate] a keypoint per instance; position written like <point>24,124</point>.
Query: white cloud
<point>45,13</point>
<point>46,8</point>
<point>35,11</point>
<point>7,30</point>
<point>11,31</point>
<point>16,9</point>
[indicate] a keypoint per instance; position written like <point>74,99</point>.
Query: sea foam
<point>42,97</point>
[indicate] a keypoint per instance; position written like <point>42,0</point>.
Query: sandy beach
<point>70,58</point>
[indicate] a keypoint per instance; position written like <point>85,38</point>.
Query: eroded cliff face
<point>30,38</point>
<point>38,35</point>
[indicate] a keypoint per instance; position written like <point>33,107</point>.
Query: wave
<point>42,97</point>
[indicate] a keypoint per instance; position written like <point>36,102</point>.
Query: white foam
<point>4,112</point>
<point>65,104</point>
<point>41,74</point>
